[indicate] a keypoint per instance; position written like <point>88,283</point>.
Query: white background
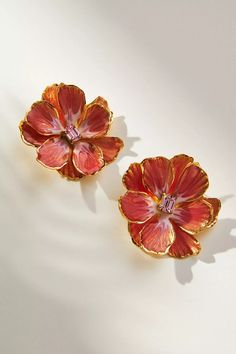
<point>71,281</point>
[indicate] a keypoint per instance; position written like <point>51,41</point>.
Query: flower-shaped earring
<point>68,133</point>
<point>165,205</point>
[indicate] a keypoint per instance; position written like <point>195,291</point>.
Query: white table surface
<point>71,281</point>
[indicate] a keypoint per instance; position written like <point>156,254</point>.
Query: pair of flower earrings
<point>164,204</point>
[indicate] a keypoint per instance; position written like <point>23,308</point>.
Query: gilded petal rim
<point>159,253</point>
<point>91,174</point>
<point>188,254</point>
<point>70,178</point>
<point>192,233</point>
<point>116,155</point>
<point>122,212</point>
<point>202,195</point>
<point>41,163</point>
<point>57,114</point>
<point>106,136</point>
<point>83,117</point>
<point>214,217</point>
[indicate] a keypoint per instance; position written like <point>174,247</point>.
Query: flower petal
<point>135,229</point>
<point>95,122</point>
<point>192,184</point>
<point>31,136</point>
<point>179,163</point>
<point>44,118</point>
<point>184,245</point>
<point>193,217</point>
<point>157,237</point>
<point>54,153</point>
<point>69,171</point>
<point>87,158</point>
<point>157,175</point>
<point>110,147</point>
<point>137,206</point>
<point>50,95</point>
<point>71,100</point>
<point>132,179</point>
<point>216,205</point>
<point>101,101</point>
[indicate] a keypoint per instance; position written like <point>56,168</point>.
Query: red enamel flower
<point>70,134</point>
<point>165,205</point>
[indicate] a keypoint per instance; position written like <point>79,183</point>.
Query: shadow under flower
<point>214,241</point>
<point>110,178</point>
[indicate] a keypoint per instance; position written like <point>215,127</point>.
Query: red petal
<point>216,205</point>
<point>135,229</point>
<point>54,153</point>
<point>137,206</point>
<point>157,237</point>
<point>184,244</point>
<point>132,179</point>
<point>72,101</point>
<point>179,163</point>
<point>192,184</point>
<point>157,175</point>
<point>193,217</point>
<point>44,118</point>
<point>69,171</point>
<point>50,95</point>
<point>87,158</point>
<point>96,121</point>
<point>31,136</point>
<point>110,147</point>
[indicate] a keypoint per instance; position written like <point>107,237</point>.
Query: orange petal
<point>87,158</point>
<point>137,206</point>
<point>192,184</point>
<point>157,175</point>
<point>132,179</point>
<point>69,171</point>
<point>50,95</point>
<point>192,217</point>
<point>179,163</point>
<point>184,245</point>
<point>54,153</point>
<point>110,147</point>
<point>101,101</point>
<point>44,118</point>
<point>96,121</point>
<point>135,229</point>
<point>71,100</point>
<point>31,136</point>
<point>216,205</point>
<point>157,237</point>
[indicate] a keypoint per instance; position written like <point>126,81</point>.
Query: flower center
<point>167,203</point>
<point>72,133</point>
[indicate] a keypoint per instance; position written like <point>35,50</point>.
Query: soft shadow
<point>110,178</point>
<point>88,186</point>
<point>213,241</point>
